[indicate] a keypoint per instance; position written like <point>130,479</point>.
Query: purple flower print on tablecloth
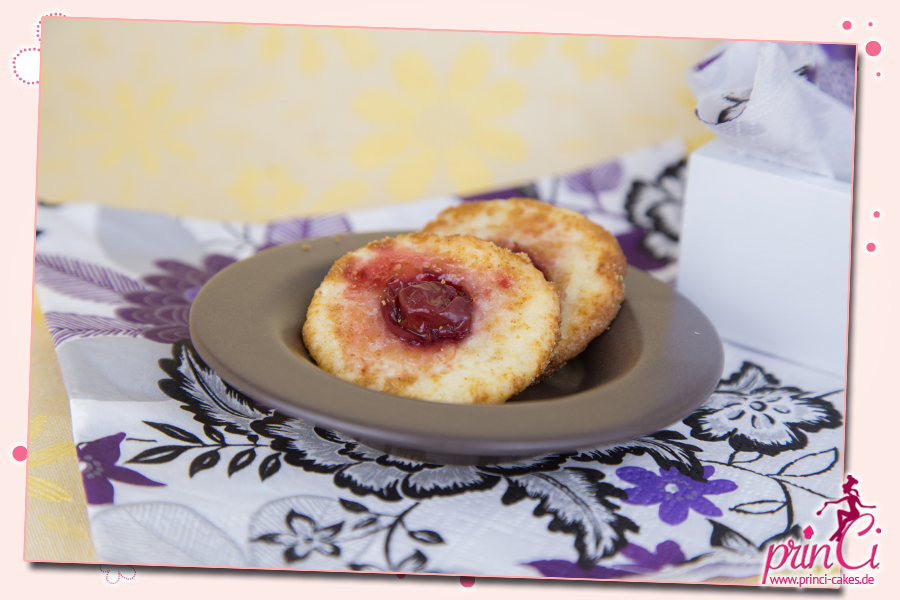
<point>97,460</point>
<point>836,76</point>
<point>708,61</point>
<point>675,493</point>
<point>294,230</point>
<point>642,561</point>
<point>165,307</point>
<point>631,244</point>
<point>569,570</point>
<point>596,180</point>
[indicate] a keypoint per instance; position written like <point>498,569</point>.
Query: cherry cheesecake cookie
<point>452,319</point>
<point>580,257</point>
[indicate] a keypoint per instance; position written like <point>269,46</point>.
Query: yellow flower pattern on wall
<point>525,49</point>
<point>137,127</point>
<point>271,189</point>
<point>199,118</point>
<point>432,124</point>
<point>343,195</point>
<point>595,56</point>
<point>310,51</point>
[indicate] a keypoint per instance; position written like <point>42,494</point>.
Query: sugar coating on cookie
<point>450,319</point>
<point>581,257</point>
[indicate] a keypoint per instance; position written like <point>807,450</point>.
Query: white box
<point>765,253</point>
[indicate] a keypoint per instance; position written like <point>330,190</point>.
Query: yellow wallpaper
<point>257,122</point>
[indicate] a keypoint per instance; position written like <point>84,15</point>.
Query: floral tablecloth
<point>180,469</point>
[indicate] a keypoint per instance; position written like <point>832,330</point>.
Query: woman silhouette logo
<point>846,517</point>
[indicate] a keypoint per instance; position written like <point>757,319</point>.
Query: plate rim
<point>452,439</point>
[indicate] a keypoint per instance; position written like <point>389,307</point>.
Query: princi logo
<point>805,556</point>
<point>846,518</point>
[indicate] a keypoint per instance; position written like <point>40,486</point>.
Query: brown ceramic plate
<point>660,360</point>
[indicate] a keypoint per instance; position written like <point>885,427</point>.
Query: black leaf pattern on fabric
<point>216,435</point>
<point>544,464</point>
<point>810,465</point>
<point>514,493</point>
<point>426,536</point>
<point>726,537</point>
<point>445,481</point>
<point>366,478</point>
<point>160,454</point>
<point>366,454</point>
<point>665,447</point>
<point>175,432</point>
<point>576,498</point>
<point>355,467</point>
<point>269,466</point>
<point>362,470</point>
<point>412,563</point>
<point>304,445</point>
<point>749,378</point>
<point>205,461</point>
<point>201,392</point>
<point>354,507</point>
<point>241,460</point>
<point>759,507</point>
<point>366,523</point>
<point>749,459</point>
<point>578,501</point>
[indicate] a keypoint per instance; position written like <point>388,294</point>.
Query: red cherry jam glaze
<point>426,309</point>
<point>374,273</point>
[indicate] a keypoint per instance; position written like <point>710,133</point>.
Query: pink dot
<point>878,530</point>
<point>878,74</point>
<point>876,214</point>
<point>467,581</point>
<point>870,247</point>
<point>20,453</point>
<point>870,23</point>
<point>847,24</point>
<point>873,48</point>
